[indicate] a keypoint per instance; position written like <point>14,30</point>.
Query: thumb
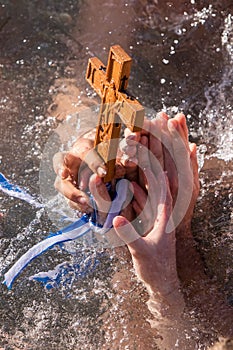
<point>128,234</point>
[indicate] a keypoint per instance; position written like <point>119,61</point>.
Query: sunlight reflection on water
<point>182,61</point>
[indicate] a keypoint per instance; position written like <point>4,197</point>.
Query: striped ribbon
<point>73,231</point>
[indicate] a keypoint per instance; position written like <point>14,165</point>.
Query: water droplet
<point>165,61</point>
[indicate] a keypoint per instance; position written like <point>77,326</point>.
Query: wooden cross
<point>117,106</point>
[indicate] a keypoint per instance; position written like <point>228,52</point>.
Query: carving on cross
<point>117,106</point>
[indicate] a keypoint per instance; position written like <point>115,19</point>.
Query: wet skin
<point>164,181</point>
<point>161,147</point>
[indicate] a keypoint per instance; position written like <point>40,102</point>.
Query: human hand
<point>167,141</point>
<point>75,167</point>
<point>154,256</point>
<point>171,151</point>
<point>180,163</point>
<point>103,202</point>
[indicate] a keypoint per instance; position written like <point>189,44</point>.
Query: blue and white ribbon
<point>17,192</point>
<point>69,233</point>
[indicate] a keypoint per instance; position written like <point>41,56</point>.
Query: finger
<point>162,115</point>
<point>129,235</point>
<point>146,127</point>
<point>83,178</point>
<point>127,158</point>
<point>180,117</point>
<point>165,135</point>
<point>130,166</point>
<point>82,146</point>
<point>154,193</point>
<point>129,162</point>
<point>142,206</point>
<point>143,154</point>
<point>101,196</point>
<point>175,123</point>
<point>164,211</point>
<point>169,163</point>
<point>142,224</point>
<point>58,159</point>
<point>68,190</point>
<point>165,200</point>
<point>155,146</point>
<point>72,164</point>
<point>139,195</point>
<point>131,138</point>
<point>129,150</point>
<point>131,169</point>
<point>119,170</point>
<point>143,160</point>
<point>79,207</point>
<point>58,165</point>
<point>185,178</point>
<point>95,163</point>
<point>194,165</point>
<point>152,188</point>
<point>90,135</point>
<point>193,157</point>
<point>128,212</point>
<point>180,151</point>
<point>137,208</point>
<point>83,149</point>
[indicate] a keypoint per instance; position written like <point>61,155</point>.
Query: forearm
<point>170,321</point>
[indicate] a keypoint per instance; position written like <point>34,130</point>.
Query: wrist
<point>167,306</point>
<point>170,321</point>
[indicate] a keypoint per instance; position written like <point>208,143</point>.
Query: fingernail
<point>120,221</point>
<point>101,172</point>
<point>82,200</point>
<point>131,137</point>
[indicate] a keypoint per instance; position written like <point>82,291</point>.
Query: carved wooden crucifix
<point>117,106</point>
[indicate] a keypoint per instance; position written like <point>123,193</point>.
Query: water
<point>182,55</point>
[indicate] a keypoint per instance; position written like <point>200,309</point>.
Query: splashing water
<point>71,316</point>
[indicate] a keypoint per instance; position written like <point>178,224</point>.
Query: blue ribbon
<point>70,233</point>
<point>75,230</point>
<point>15,191</point>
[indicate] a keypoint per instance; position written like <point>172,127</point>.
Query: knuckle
<point>73,197</point>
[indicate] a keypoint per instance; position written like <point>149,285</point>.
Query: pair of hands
<point>162,169</point>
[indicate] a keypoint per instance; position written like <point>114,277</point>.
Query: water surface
<point>182,55</point>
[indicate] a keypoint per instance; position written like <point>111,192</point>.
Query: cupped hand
<point>74,169</point>
<point>154,256</point>
<point>171,151</point>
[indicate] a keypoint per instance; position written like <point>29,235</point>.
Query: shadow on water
<point>182,55</point>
